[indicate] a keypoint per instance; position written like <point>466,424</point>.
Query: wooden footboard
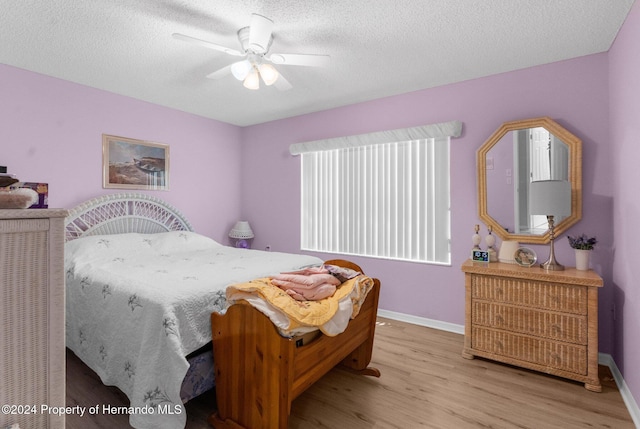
<point>259,372</point>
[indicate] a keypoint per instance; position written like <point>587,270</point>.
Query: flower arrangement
<point>582,242</point>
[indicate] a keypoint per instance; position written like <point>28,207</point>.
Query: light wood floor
<point>425,383</point>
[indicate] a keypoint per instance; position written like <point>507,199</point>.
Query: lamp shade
<point>241,69</point>
<point>252,81</point>
<point>550,197</point>
<point>268,73</point>
<point>241,230</point>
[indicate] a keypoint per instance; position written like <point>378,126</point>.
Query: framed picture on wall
<point>134,164</point>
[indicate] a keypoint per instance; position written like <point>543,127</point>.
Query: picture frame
<point>525,256</point>
<point>134,164</point>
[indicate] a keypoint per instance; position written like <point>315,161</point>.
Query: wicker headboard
<point>121,213</point>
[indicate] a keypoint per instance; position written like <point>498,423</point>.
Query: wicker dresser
<point>541,320</point>
<point>32,354</point>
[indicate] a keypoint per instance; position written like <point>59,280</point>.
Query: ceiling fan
<point>255,41</point>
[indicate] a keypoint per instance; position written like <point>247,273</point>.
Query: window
<point>386,199</point>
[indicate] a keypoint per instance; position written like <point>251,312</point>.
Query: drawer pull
<point>499,291</point>
<point>499,320</point>
<point>499,345</point>
<point>556,329</point>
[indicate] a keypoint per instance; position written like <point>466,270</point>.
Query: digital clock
<point>479,256</point>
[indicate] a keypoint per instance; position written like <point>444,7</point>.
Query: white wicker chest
<point>32,331</point>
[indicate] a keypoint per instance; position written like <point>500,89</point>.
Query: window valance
<point>441,130</point>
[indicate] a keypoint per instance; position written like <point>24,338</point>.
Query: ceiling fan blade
<point>260,33</point>
<point>282,84</point>
<point>300,60</point>
<point>219,74</point>
<point>206,44</point>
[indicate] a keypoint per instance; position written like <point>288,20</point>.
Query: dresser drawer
<point>559,355</point>
<point>530,293</point>
<point>555,326</point>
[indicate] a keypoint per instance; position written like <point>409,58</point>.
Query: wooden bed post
<point>360,358</point>
<point>247,350</point>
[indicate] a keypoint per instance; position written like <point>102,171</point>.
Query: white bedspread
<point>137,304</point>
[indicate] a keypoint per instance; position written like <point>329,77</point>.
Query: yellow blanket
<point>305,313</point>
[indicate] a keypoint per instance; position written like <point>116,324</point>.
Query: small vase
<point>582,259</point>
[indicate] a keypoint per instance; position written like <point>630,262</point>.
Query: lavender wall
<point>624,83</point>
<point>52,132</point>
<point>572,92</point>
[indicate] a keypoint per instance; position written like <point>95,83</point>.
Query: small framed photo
<point>525,257</point>
<point>134,164</point>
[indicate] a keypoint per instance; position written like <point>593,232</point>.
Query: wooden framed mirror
<point>516,154</point>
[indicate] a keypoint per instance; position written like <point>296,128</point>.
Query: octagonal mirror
<point>516,154</point>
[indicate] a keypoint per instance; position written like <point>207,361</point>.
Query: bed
<point>164,357</point>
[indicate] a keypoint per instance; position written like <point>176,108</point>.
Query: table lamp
<point>241,233</point>
<point>551,198</point>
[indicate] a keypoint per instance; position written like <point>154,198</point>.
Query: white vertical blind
<point>388,200</point>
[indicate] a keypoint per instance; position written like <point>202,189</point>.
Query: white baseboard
<point>422,321</point>
<point>627,397</point>
<point>603,358</point>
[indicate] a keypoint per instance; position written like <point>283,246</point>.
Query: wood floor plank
<point>425,383</point>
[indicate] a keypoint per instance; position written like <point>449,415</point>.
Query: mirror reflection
<point>519,158</point>
<point>517,154</point>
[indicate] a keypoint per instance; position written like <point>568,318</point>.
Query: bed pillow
<point>124,244</point>
<point>180,240</point>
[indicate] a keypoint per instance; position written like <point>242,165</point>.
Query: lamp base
<point>242,244</point>
<point>552,266</point>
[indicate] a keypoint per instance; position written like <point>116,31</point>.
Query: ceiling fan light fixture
<point>268,73</point>
<point>260,33</point>
<point>252,81</point>
<point>241,69</point>
<point>255,41</point>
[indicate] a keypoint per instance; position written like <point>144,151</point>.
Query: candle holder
<point>476,239</point>
<point>490,239</point>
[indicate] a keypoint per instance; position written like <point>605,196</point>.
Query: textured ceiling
<point>377,47</point>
